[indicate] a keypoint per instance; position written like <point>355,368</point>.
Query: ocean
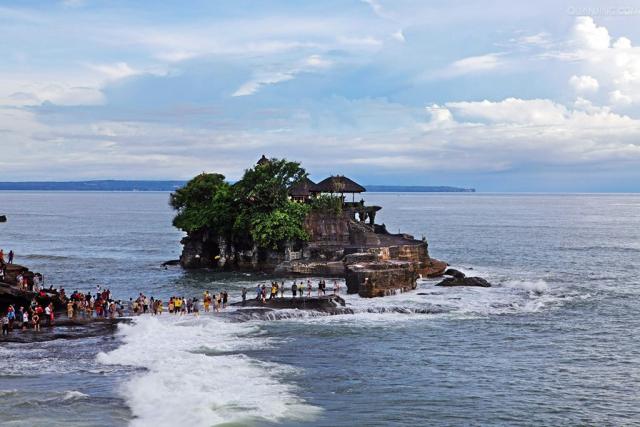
<point>553,342</point>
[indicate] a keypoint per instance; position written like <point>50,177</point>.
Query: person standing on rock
<point>25,320</point>
<point>336,287</point>
<point>10,258</point>
<point>195,308</point>
<point>19,314</point>
<point>218,302</point>
<point>244,296</point>
<point>5,325</point>
<point>70,309</point>
<point>11,315</point>
<point>282,289</point>
<point>35,319</point>
<point>294,289</point>
<point>258,292</point>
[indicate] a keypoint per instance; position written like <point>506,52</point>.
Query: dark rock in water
<point>323,303</point>
<point>3,218</point>
<point>465,281</point>
<point>171,262</point>
<point>455,273</point>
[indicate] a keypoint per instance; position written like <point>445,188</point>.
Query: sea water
<point>553,342</point>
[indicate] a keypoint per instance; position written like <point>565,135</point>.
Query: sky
<point>499,96</point>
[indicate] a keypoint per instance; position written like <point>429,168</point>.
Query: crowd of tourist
<point>30,318</point>
<point>298,290</point>
<point>101,305</point>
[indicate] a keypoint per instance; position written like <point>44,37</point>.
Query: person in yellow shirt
<point>207,301</point>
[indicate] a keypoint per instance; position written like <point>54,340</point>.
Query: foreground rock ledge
<point>322,303</point>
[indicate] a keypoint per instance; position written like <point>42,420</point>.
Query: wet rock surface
<point>380,278</point>
<point>65,329</point>
<point>321,303</point>
<point>465,281</point>
<point>454,273</point>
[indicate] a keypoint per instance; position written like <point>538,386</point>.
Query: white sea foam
<point>509,296</point>
<point>194,374</point>
<point>74,395</point>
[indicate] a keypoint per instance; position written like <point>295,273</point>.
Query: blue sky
<point>509,96</point>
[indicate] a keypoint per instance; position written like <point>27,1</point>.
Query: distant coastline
<point>118,185</point>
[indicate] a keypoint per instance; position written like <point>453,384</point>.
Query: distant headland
<point>172,185</point>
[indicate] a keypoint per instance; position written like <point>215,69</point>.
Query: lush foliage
<point>327,203</point>
<point>271,230</point>
<point>256,209</point>
<point>206,201</point>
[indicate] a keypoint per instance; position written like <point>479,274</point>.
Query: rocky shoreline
<point>372,261</point>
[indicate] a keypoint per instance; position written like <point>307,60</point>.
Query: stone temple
<point>347,243</point>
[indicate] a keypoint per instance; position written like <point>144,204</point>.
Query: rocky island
<point>275,219</point>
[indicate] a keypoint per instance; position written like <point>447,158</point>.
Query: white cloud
<point>584,84</point>
<point>512,110</point>
<point>618,98</point>
<point>114,71</point>
<point>375,7</point>
<point>262,79</point>
<point>399,36</point>
<point>535,131</point>
<point>439,117</point>
<point>588,35</point>
<point>366,41</point>
<point>313,63</point>
<point>317,61</point>
<point>472,65</point>
<point>541,39</point>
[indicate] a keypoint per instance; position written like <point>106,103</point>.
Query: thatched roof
<point>304,188</point>
<point>340,184</point>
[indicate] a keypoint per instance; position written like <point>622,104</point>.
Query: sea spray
<point>181,381</point>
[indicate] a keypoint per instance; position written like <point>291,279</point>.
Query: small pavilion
<point>340,184</point>
<point>303,191</point>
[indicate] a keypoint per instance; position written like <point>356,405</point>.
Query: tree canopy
<point>254,210</point>
<point>204,202</point>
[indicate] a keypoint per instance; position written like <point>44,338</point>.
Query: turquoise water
<point>554,342</point>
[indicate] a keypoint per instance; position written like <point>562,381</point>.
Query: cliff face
<point>373,261</point>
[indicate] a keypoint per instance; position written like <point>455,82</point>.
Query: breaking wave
<point>198,365</point>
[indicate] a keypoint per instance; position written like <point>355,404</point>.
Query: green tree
<point>271,230</point>
<point>204,202</point>
<point>327,203</point>
<point>255,210</point>
<point>263,188</point>
<point>261,198</point>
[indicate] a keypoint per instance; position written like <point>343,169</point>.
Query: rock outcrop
<point>11,294</point>
<point>465,281</point>
<point>380,278</point>
<point>454,273</point>
<point>322,303</point>
<point>373,261</point>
